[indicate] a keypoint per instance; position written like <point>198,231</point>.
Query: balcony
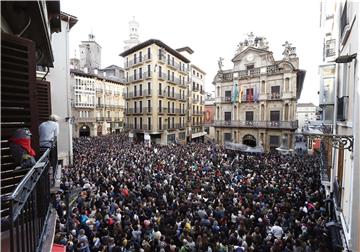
<point>147,110</point>
<point>108,92</point>
<point>162,110</point>
<point>137,61</point>
<point>99,90</point>
<point>258,124</point>
<point>26,210</point>
<point>174,80</point>
<point>100,105</point>
<point>162,58</point>
<point>100,119</point>
<point>116,93</point>
<point>195,89</point>
<point>162,76</point>
<point>226,99</point>
<point>85,119</point>
<point>198,113</point>
<point>273,69</point>
<point>274,96</point>
<point>132,95</point>
<point>83,105</point>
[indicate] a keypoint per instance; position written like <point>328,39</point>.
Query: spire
<point>133,34</point>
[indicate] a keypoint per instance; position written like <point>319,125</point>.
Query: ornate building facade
<point>256,99</point>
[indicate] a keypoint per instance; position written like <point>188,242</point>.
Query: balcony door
<point>275,116</point>
<point>227,116</point>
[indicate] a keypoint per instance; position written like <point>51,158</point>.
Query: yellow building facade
<point>156,92</point>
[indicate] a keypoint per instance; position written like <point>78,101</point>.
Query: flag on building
<point>235,92</point>
<point>256,94</point>
<point>241,94</point>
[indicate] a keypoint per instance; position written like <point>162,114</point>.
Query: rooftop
<point>157,42</point>
<point>98,76</point>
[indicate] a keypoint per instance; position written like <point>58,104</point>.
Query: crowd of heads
<point>193,197</point>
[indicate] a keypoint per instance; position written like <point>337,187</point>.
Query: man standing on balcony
<point>48,132</point>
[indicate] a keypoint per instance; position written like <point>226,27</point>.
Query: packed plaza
<point>194,197</point>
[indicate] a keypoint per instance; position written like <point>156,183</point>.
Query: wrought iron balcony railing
<point>28,207</point>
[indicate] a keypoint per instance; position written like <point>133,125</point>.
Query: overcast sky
<point>211,28</point>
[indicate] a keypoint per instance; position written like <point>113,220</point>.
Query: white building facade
<point>339,19</point>
<point>59,76</point>
<point>305,113</point>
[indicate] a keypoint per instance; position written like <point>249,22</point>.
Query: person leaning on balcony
<point>48,132</point>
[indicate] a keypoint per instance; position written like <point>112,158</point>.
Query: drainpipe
<point>68,96</point>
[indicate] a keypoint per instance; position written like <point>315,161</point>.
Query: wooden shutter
<point>18,106</point>
<point>43,98</point>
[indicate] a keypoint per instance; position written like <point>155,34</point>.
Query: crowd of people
<point>193,197</point>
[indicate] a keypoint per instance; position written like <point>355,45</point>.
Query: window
<point>160,106</point>
<point>148,70</point>
<point>135,123</point>
<point>135,93</point>
<point>149,53</point>
<point>140,73</point>
<point>168,77</point>
<point>227,116</point>
<point>134,74</point>
<point>168,120</point>
<point>249,116</point>
<point>248,67</point>
<point>168,106</point>
<point>149,105</point>
<point>228,95</point>
<point>172,61</point>
<point>149,88</point>
<point>168,91</point>
<point>140,89</point>
<point>275,116</point>
<point>173,107</point>
<point>160,89</point>
<point>149,123</point>
<point>135,58</point>
<point>140,56</point>
<point>160,123</point>
<point>140,122</point>
<point>172,76</point>
<point>160,72</point>
<point>173,122</point>
<point>168,59</point>
<point>275,92</point>
<point>227,137</point>
<point>140,106</point>
<point>135,107</point>
<point>173,92</point>
<point>249,94</point>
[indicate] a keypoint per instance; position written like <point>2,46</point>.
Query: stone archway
<point>249,140</point>
<point>84,131</point>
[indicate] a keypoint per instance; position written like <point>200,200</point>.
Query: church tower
<point>133,35</point>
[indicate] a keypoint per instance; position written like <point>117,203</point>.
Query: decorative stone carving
<point>289,50</point>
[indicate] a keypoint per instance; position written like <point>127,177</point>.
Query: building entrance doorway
<point>84,131</point>
<point>249,140</point>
